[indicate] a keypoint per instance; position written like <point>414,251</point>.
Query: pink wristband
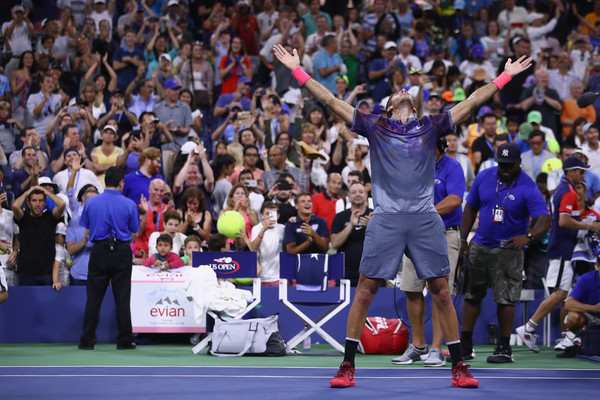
<point>502,80</point>
<point>300,75</point>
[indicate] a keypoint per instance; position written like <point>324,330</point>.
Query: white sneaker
<point>435,359</point>
<point>528,338</point>
<point>567,341</point>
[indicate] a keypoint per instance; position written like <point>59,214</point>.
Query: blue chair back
<point>311,270</point>
<point>228,264</point>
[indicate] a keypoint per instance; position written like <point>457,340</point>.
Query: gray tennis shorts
<point>421,236</point>
<point>409,281</point>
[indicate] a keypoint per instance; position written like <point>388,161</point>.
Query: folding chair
<point>311,272</point>
<point>244,269</point>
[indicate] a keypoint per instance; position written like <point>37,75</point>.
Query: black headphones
<point>442,145</point>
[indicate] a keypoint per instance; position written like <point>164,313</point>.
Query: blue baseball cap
<point>477,51</point>
<point>244,79</point>
<point>574,162</point>
<point>172,84</point>
<point>484,110</point>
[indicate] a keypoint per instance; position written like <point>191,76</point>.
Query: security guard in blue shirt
<point>112,221</point>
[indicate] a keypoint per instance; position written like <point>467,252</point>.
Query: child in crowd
<point>62,260</point>
<point>192,243</point>
<point>172,219</point>
<point>164,258</point>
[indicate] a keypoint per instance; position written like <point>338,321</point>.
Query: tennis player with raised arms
<point>404,220</point>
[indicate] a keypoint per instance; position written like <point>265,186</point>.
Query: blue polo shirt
<point>563,201</point>
<point>523,199</point>
<point>587,289</point>
<point>137,184</point>
<point>324,60</point>
<point>293,234</point>
<point>449,179</point>
<point>79,270</point>
<point>110,213</point>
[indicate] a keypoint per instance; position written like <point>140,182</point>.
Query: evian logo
<point>225,265</point>
<point>505,153</point>
<point>167,308</point>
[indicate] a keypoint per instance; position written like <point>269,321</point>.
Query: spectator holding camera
<point>506,198</point>
<point>267,240</point>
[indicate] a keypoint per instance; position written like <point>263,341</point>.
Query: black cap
<point>508,153</point>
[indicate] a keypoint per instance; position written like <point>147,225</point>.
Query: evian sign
<point>225,265</point>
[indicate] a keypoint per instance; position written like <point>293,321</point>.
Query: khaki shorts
<point>410,282</point>
<point>500,269</point>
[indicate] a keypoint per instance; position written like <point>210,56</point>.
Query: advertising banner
<point>159,303</point>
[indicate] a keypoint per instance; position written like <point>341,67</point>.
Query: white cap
<point>164,56</point>
<point>61,228</point>
<point>533,16</point>
<point>109,127</point>
<point>188,147</point>
<point>172,3</point>
<point>389,45</point>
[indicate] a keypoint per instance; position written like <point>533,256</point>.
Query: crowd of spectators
<point>188,99</point>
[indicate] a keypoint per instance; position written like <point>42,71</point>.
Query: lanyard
<point>119,119</point>
<point>536,169</point>
<point>489,145</point>
<point>160,208</point>
<point>76,179</point>
<point>48,104</point>
<point>507,193</point>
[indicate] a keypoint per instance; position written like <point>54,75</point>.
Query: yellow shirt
<point>103,159</point>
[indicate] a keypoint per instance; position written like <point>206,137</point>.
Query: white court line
<point>280,376</point>
<point>276,367</point>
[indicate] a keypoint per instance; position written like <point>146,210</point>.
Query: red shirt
<point>324,207</point>
<point>247,28</point>
<point>141,242</point>
<point>230,80</point>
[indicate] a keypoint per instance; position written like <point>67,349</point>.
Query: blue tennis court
<point>111,382</point>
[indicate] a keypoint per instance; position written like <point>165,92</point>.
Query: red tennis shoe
<point>344,377</point>
<point>461,376</point>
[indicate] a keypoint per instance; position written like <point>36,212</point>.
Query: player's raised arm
<point>463,109</point>
<point>321,93</point>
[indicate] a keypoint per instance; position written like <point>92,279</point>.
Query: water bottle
<point>306,342</point>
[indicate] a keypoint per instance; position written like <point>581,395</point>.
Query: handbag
<point>257,336</point>
<point>383,336</point>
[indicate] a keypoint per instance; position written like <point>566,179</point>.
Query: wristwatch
<point>530,236</point>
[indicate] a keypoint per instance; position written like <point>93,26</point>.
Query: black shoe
<point>129,346</point>
<point>501,355</point>
<point>570,352</point>
<point>86,347</point>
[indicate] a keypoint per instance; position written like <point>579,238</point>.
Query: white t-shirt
<point>19,40</point>
<point>269,250</point>
<point>85,176</point>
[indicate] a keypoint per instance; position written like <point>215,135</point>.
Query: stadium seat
<point>311,273</point>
